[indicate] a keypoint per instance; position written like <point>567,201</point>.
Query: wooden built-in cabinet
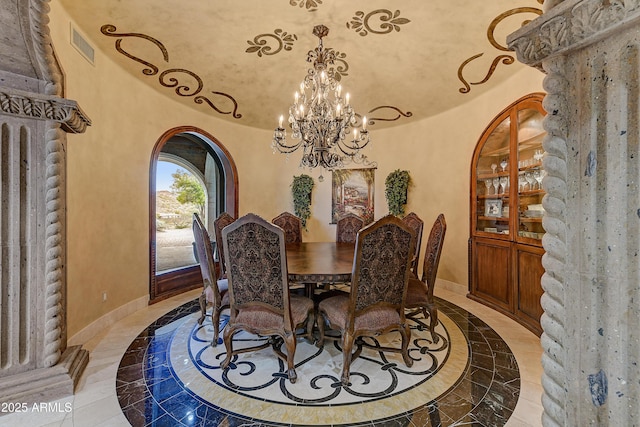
<point>505,249</point>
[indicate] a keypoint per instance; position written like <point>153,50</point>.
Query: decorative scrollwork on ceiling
<point>109,30</point>
<point>387,21</point>
<point>259,45</point>
<point>184,90</point>
<point>505,59</point>
<point>310,5</point>
<point>386,113</point>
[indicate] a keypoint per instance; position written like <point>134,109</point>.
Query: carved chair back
<point>414,221</point>
<point>381,269</point>
<point>221,222</point>
<point>347,228</point>
<point>292,226</point>
<point>205,255</point>
<point>432,254</point>
<point>257,266</point>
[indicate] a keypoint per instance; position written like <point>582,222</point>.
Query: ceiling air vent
<point>82,45</point>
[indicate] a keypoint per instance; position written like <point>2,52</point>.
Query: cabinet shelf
<point>483,176</point>
<point>532,193</point>
<point>493,218</point>
<point>535,166</point>
<point>527,219</point>
<point>503,196</point>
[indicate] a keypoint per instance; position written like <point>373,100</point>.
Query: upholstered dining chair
<point>221,222</point>
<point>292,226</point>
<point>420,292</point>
<point>259,293</point>
<point>414,221</point>
<point>347,228</point>
<point>375,305</point>
<point>214,291</point>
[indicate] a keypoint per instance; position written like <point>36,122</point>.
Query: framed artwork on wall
<point>352,192</point>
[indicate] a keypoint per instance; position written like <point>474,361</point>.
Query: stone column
<point>590,50</point>
<point>35,363</point>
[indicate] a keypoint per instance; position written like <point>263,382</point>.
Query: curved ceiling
<point>243,60</point>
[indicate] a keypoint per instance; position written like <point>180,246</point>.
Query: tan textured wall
<point>108,174</point>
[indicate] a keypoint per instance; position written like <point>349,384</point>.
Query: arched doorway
<point>202,153</point>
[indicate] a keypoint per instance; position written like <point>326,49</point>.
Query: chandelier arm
<point>279,142</point>
<point>347,149</point>
<point>288,149</point>
<point>345,152</point>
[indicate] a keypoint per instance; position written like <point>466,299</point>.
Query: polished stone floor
<point>156,367</point>
<point>170,375</point>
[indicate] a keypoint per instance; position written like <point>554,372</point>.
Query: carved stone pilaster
<point>590,50</point>
<point>35,363</point>
<point>555,223</point>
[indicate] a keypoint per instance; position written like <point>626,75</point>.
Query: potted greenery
<point>301,189</point>
<point>396,186</point>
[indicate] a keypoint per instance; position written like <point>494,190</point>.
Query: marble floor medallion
<point>171,376</point>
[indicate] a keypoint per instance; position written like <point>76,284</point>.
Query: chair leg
<point>433,314</point>
<point>347,346</point>
<point>215,319</point>
<point>311,320</point>
<point>202,300</point>
<point>320,322</point>
<point>227,337</point>
<point>290,343</point>
<point>405,332</point>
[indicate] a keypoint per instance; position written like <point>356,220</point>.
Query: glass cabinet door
<point>493,181</point>
<point>505,247</point>
<point>530,173</point>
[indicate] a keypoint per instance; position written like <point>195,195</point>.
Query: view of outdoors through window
<point>178,195</point>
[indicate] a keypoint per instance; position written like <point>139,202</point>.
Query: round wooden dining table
<point>311,263</point>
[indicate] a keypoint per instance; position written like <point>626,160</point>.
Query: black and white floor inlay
<point>170,375</point>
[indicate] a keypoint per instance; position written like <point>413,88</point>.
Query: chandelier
<point>320,118</point>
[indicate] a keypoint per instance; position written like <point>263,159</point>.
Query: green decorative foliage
<point>301,189</point>
<point>396,187</point>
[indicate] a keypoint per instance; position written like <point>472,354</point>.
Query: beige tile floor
<point>95,402</point>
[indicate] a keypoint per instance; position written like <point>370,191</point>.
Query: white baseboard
<point>107,321</point>
<point>451,286</point>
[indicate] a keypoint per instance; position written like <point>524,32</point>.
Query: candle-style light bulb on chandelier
<point>321,119</point>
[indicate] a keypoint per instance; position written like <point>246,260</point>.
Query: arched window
<point>198,156</point>
<point>180,191</point>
